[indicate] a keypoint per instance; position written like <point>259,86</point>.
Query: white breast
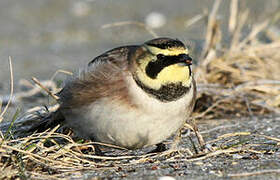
<point>150,123</point>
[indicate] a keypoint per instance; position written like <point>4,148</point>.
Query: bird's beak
<point>186,60</point>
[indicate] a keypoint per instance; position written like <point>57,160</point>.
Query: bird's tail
<point>38,119</point>
<point>48,122</point>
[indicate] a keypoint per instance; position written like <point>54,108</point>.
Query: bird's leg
<point>98,151</point>
<point>177,139</point>
<point>160,148</point>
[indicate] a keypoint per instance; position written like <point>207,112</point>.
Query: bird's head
<point>163,61</point>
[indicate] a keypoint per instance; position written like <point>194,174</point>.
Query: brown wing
<point>104,77</point>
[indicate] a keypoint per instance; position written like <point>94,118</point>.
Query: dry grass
<point>242,79</point>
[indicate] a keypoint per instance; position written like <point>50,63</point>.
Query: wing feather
<point>104,77</point>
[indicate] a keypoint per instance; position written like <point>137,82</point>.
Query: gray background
<point>46,35</point>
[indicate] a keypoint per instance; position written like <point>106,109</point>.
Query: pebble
<point>155,20</point>
<point>166,178</point>
<point>81,9</point>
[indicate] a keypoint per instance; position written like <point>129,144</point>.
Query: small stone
<point>237,156</point>
<point>155,20</point>
<point>166,178</point>
<point>81,9</point>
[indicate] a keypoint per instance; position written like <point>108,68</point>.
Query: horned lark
<point>130,96</point>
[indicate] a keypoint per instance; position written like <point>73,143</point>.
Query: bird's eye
<point>160,56</point>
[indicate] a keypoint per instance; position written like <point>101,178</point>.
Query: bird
<point>131,96</point>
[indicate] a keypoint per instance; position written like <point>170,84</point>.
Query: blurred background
<point>47,35</point>
<point>238,75</point>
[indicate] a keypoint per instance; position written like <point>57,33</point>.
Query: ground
<point>257,154</point>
